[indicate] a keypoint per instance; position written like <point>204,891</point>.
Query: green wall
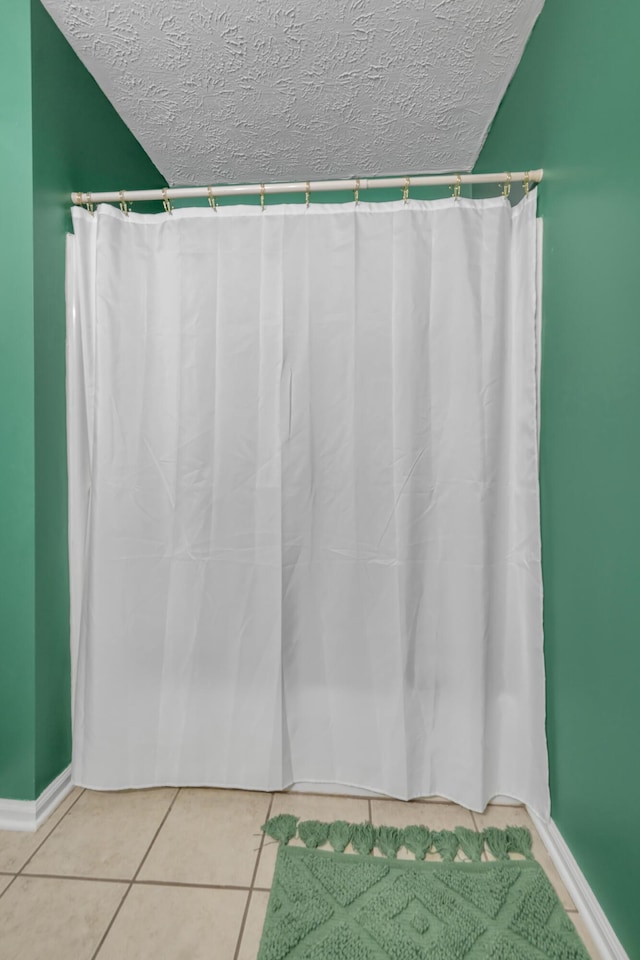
<point>572,109</point>
<point>17,481</point>
<point>63,135</point>
<point>79,143</point>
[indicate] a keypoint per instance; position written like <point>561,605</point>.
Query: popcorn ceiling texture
<point>228,91</point>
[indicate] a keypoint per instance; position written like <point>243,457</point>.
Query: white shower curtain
<point>304,525</point>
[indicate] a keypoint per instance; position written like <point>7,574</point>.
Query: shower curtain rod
<point>167,194</point>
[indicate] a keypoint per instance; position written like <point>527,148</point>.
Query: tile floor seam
<point>111,922</point>
<point>196,886</point>
<point>434,803</point>
<point>261,846</point>
<point>51,832</point>
<point>243,922</point>
<point>156,834</point>
<point>72,876</point>
<point>334,796</point>
<point>127,880</point>
<point>131,882</point>
<point>8,886</point>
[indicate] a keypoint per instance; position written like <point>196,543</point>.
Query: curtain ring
<point>456,188</point>
<point>506,188</point>
<point>525,183</point>
<point>123,203</point>
<point>262,197</point>
<point>307,193</point>
<point>356,193</point>
<point>405,189</point>
<point>89,204</point>
<point>212,199</point>
<point>166,203</point>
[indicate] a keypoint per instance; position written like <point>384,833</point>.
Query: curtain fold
<point>304,522</point>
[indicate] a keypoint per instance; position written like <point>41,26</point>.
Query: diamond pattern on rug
<point>488,892</point>
<point>539,923</point>
<point>342,941</point>
<point>419,919</point>
<point>348,880</point>
<point>336,906</point>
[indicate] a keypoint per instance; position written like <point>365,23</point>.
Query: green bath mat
<point>327,905</point>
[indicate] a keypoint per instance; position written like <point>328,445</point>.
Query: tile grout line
<point>431,803</point>
<point>131,882</point>
<point>243,922</point>
<point>138,883</point>
<point>190,886</point>
<point>19,873</point>
<point>73,876</point>
<point>155,836</point>
<point>260,848</point>
<point>333,796</point>
<point>9,885</point>
<point>51,832</point>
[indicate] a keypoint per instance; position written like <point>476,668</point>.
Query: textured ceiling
<point>221,91</point>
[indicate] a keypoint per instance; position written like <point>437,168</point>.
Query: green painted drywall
<point>17,568</point>
<point>572,109</point>
<point>58,133</point>
<point>79,143</point>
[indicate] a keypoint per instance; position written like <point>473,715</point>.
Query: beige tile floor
<point>177,874</point>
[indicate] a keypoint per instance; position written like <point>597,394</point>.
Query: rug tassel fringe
<point>388,840</point>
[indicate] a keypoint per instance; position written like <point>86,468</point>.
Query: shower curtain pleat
<point>304,526</point>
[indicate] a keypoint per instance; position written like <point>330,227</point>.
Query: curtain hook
<point>89,204</point>
<point>262,197</point>
<point>525,183</point>
<point>506,187</point>
<point>356,193</point>
<point>456,188</point>
<point>212,199</point>
<point>123,203</point>
<point>166,203</point>
<point>307,193</point>
<point>405,189</point>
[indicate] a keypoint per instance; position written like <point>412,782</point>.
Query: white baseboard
<point>27,815</point>
<point>602,933</point>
